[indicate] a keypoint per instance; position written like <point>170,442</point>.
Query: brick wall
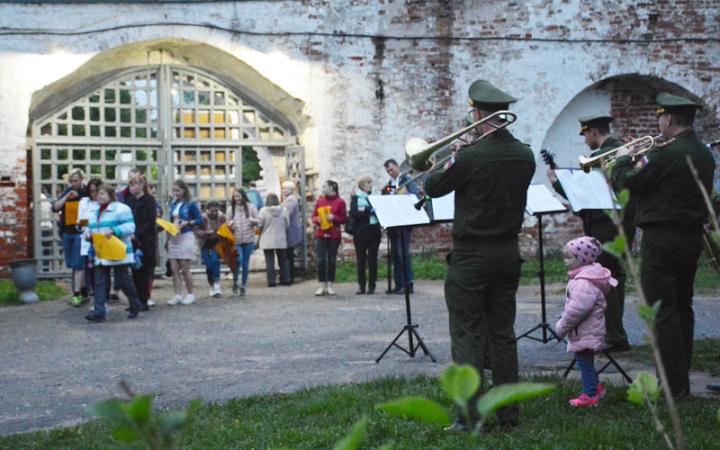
<point>15,222</point>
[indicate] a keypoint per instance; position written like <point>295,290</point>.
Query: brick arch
<point>630,99</point>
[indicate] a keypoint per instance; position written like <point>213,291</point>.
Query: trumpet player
<point>596,131</point>
<point>671,212</point>
<point>490,179</point>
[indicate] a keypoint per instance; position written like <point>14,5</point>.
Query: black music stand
<point>542,202</point>
<point>611,360</point>
<point>415,341</point>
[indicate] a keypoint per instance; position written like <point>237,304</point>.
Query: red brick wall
<point>15,219</point>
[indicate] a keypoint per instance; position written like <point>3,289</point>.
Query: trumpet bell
<point>414,146</point>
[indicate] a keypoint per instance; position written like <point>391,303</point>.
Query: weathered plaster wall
<point>385,70</point>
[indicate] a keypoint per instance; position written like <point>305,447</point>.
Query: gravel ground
<point>275,340</point>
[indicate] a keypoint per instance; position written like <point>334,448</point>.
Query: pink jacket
<point>583,320</point>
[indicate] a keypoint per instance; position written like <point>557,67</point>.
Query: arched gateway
<point>178,116</point>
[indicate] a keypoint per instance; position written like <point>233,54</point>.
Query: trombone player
<point>596,131</point>
<point>490,178</point>
<point>671,212</point>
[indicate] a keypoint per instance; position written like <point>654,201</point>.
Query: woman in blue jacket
<point>182,247</point>
<point>108,217</point>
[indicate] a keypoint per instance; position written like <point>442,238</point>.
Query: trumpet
<point>423,157</point>
<point>638,147</point>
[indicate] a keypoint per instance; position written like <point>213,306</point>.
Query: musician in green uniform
<point>596,223</point>
<point>490,178</point>
<point>671,212</point>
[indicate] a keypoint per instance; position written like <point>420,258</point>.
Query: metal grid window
<point>171,123</point>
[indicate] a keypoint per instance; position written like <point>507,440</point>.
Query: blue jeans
<point>211,260</point>
<point>243,261</point>
<point>586,363</point>
<point>102,287</point>
<point>401,239</point>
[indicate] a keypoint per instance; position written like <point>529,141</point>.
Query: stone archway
<point>172,108</point>
<point>630,99</point>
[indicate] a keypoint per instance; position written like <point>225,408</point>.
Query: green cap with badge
<point>594,121</point>
<point>674,104</point>
<point>483,93</point>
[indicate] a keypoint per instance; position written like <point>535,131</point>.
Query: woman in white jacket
<point>273,223</point>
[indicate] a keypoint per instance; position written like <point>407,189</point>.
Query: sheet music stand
<point>398,213</point>
<point>542,202</point>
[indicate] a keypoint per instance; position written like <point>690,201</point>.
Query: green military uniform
<point>671,212</point>
<point>598,224</point>
<point>490,179</point>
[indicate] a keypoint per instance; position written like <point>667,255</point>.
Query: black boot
<point>361,290</point>
<point>371,289</point>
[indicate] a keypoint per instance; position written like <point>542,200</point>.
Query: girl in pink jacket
<point>583,320</point>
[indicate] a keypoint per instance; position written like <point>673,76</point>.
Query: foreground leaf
<point>107,409</point>
<point>356,436</point>
<point>417,408</point>
<point>644,384</point>
<point>616,247</point>
<point>125,434</point>
<point>649,313</point>
<point>460,383</point>
<point>507,394</point>
<point>140,408</point>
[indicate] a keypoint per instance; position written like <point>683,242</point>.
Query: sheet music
<point>443,208</point>
<point>541,200</point>
<point>398,210</point>
<point>586,190</point>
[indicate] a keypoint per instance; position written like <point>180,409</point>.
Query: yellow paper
<point>323,212</point>
<point>168,226</point>
<point>225,232</point>
<point>112,249</point>
<point>71,213</point>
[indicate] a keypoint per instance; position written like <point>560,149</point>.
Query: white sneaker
<point>212,291</point>
<point>151,302</point>
<point>218,290</point>
<point>320,291</point>
<point>175,300</point>
<point>330,290</point>
<point>189,299</point>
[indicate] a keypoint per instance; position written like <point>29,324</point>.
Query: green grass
<point>46,290</point>
<point>317,418</point>
<point>433,268</point>
<point>706,355</point>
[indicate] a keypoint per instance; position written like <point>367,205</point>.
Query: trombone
<point>637,147</point>
<point>423,157</point>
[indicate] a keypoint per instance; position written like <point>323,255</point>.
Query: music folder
<point>586,190</point>
<point>540,200</point>
<point>398,210</point>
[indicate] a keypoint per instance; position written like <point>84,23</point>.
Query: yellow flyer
<point>224,231</point>
<point>112,249</point>
<point>71,212</point>
<point>323,212</point>
<point>168,226</point>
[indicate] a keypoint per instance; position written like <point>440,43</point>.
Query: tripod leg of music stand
<point>387,349</point>
<point>421,344</point>
<point>569,368</point>
<point>617,366</point>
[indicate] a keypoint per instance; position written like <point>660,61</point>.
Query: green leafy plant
<point>461,383</point>
<point>133,420</point>
<point>355,438</point>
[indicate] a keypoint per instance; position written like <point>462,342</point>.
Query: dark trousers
<point>480,289</point>
<point>667,270</point>
<point>102,287</point>
<point>270,265</point>
<point>291,263</point>
<point>614,330</point>
<point>401,239</point>
<point>366,250</point>
<point>326,253</point>
<point>141,279</point>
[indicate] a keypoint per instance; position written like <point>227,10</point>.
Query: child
<point>208,238</point>
<point>583,320</point>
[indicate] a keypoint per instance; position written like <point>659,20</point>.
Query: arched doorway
<point>172,121</point>
<point>630,100</point>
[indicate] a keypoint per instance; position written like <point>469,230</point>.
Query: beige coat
<point>244,226</point>
<point>274,223</point>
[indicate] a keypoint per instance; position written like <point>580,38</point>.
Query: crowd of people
<point>92,214</point>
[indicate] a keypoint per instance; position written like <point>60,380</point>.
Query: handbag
<point>350,225</point>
